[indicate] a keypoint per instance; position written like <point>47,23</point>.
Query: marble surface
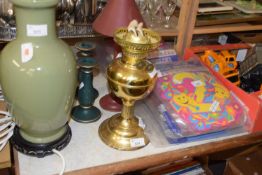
<point>87,150</point>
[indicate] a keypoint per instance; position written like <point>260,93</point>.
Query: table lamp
<point>116,13</point>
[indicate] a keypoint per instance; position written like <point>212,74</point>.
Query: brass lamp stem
<point>127,110</point>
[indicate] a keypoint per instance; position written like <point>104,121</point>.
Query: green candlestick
<point>85,112</point>
<point>86,49</point>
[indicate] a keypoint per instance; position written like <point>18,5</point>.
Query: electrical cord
<point>4,141</point>
<point>7,126</point>
<point>62,158</point>
<point>7,129</point>
<point>7,117</point>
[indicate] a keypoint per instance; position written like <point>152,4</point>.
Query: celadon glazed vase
<point>38,76</point>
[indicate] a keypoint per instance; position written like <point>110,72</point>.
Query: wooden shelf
<point>166,33</point>
<point>238,27</point>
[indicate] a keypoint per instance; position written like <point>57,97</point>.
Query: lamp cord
<point>62,159</point>
<point>7,126</point>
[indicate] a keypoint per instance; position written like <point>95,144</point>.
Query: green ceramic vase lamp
<point>38,76</point>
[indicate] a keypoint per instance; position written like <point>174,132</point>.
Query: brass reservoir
<point>132,82</point>
<point>132,77</point>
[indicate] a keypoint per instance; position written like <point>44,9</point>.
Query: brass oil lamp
<point>130,78</point>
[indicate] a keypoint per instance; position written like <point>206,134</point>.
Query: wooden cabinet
<point>185,28</point>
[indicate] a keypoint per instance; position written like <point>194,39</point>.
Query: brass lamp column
<point>130,78</point>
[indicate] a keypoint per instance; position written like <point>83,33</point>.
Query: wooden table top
<point>87,154</point>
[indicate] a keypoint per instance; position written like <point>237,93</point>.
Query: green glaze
<point>35,3</point>
<point>40,92</point>
<point>86,112</point>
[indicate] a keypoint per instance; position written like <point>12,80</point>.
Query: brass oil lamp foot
<point>130,78</point>
<point>122,134</point>
<point>122,131</point>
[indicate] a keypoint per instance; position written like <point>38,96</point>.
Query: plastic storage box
<point>252,100</point>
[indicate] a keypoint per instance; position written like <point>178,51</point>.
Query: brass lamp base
<point>122,134</point>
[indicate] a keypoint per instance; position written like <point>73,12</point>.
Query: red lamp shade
<point>117,13</point>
